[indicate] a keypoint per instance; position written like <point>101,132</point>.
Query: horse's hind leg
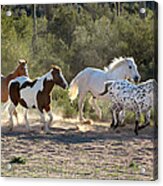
<point>147,120</point>
<point>26,120</point>
<point>137,122</point>
<point>11,110</point>
<point>96,107</point>
<point>122,117</point>
<point>115,119</point>
<point>16,116</point>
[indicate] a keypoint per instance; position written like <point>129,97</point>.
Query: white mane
<point>116,62</point>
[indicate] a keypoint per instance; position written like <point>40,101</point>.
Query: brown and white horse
<point>21,70</point>
<point>35,94</point>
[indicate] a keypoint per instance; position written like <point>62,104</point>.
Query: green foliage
<point>75,36</point>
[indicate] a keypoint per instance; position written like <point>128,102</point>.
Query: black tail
<point>107,85</point>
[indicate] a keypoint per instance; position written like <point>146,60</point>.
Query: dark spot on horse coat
<point>23,103</point>
<point>28,84</point>
<point>43,97</point>
<point>15,94</point>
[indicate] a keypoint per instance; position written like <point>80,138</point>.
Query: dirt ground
<point>75,150</point>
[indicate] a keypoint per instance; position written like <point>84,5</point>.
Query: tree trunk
<point>34,26</point>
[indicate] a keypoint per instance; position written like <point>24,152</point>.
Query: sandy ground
<point>75,150</point>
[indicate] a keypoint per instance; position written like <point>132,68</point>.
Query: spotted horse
<point>139,98</point>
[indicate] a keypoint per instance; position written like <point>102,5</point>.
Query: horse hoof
<point>115,126</point>
<point>47,132</point>
<point>136,132</point>
<point>112,125</point>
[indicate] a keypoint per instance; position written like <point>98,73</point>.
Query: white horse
<point>92,80</point>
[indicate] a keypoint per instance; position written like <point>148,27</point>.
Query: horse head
<point>58,77</point>
<point>131,70</point>
<point>22,69</point>
<point>124,68</point>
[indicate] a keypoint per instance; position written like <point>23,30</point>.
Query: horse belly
<point>29,97</point>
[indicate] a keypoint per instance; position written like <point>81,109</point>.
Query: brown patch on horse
<point>15,94</point>
<point>43,97</point>
<point>28,84</point>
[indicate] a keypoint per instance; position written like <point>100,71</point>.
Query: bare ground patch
<point>75,150</point>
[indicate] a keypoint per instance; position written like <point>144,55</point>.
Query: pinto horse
<point>35,94</point>
<point>21,70</point>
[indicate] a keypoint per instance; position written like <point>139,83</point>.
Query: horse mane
<point>116,62</point>
<point>56,67</point>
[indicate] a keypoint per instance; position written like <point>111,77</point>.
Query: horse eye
<point>130,67</point>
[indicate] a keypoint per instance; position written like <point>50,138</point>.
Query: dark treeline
<point>75,36</point>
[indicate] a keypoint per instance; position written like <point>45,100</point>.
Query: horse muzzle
<point>137,79</point>
<point>64,86</point>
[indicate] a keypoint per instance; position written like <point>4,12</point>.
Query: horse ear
<point>20,61</point>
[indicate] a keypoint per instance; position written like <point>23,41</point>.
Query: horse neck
<point>117,73</point>
<point>49,84</point>
<point>11,76</point>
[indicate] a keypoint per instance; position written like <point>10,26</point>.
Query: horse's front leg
<point>81,105</point>
<point>42,116</point>
<point>96,107</point>
<point>49,112</point>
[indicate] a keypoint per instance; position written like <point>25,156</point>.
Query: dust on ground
<point>76,150</point>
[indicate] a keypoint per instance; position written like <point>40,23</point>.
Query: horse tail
<point>107,85</point>
<point>74,88</point>
<point>78,83</point>
<point>6,105</point>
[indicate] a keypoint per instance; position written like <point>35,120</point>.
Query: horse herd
<point>108,84</point>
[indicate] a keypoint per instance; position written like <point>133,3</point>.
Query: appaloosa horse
<point>137,98</point>
<point>35,94</point>
<point>21,70</point>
